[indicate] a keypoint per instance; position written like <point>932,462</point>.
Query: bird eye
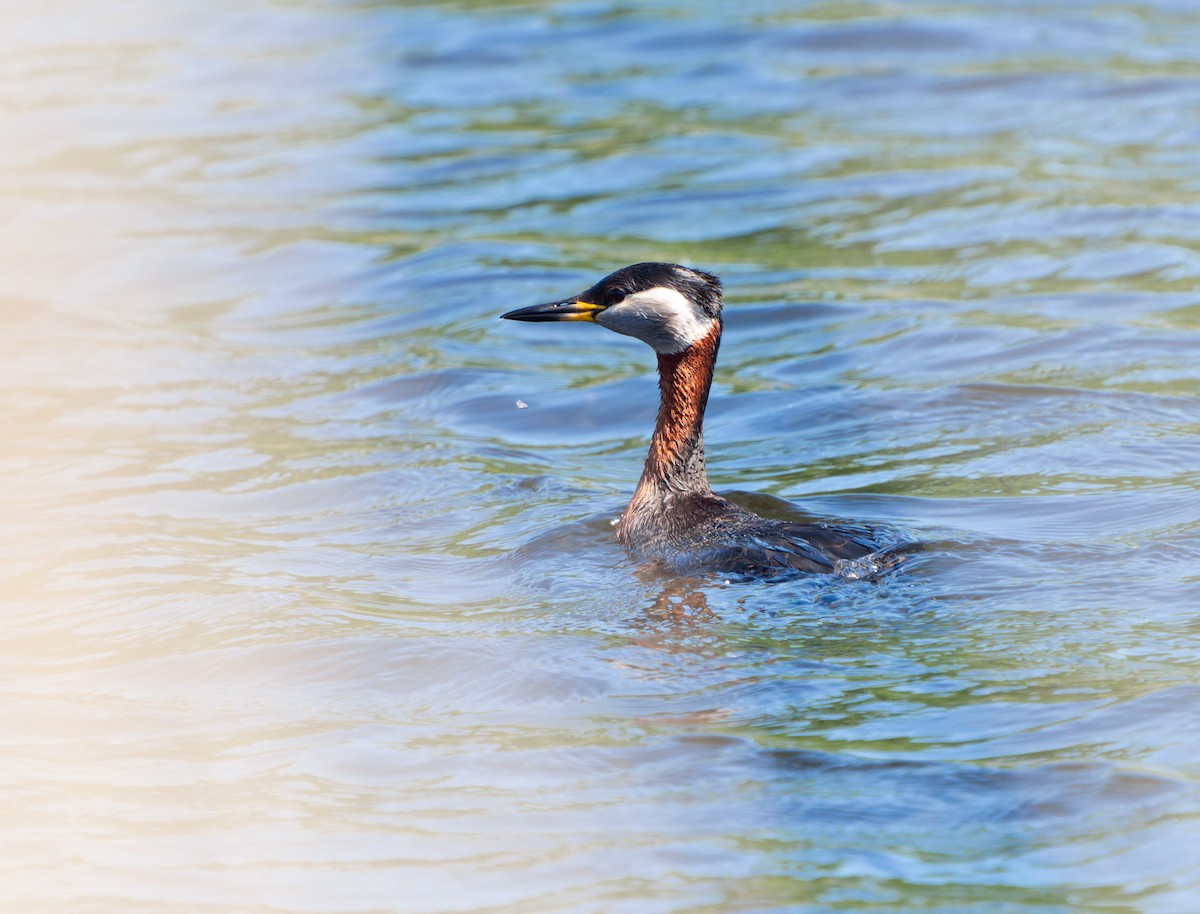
<point>613,297</point>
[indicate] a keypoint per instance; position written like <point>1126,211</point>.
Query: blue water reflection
<point>304,613</point>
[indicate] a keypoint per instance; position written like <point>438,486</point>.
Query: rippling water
<point>303,614</point>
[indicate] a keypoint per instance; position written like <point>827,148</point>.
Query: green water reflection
<point>303,612</point>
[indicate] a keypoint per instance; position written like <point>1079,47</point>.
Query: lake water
<point>302,613</point>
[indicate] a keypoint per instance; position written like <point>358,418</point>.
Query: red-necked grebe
<point>674,516</point>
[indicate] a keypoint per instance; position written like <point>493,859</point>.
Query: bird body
<point>674,517</point>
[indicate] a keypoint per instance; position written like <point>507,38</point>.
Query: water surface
<point>302,613</point>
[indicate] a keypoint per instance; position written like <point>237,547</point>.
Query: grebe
<point>674,516</point>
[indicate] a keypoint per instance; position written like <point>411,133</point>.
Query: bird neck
<point>675,462</point>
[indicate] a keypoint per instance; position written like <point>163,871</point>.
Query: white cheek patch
<point>662,317</point>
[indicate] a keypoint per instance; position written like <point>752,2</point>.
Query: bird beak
<point>569,309</point>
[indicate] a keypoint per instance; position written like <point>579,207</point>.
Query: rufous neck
<point>676,459</point>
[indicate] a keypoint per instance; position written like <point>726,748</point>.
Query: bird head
<point>668,306</point>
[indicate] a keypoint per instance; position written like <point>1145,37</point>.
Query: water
<point>302,613</point>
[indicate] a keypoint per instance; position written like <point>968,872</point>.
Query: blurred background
<point>302,613</point>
